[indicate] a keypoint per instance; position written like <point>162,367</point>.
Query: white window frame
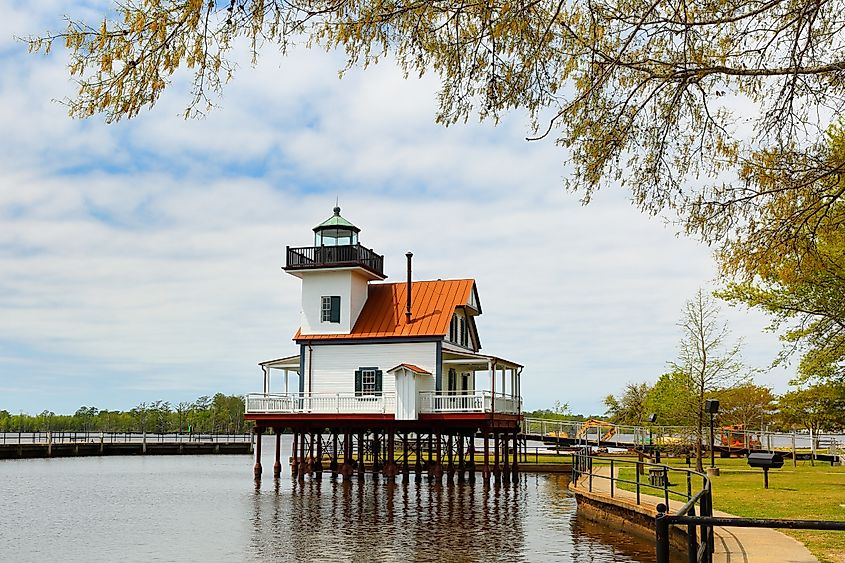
<point>368,387</point>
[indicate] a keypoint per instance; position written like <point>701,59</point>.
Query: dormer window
<point>330,309</point>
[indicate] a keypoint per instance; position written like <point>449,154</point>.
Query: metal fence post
<point>611,478</point>
<point>637,472</point>
<point>661,528</point>
<point>692,540</point>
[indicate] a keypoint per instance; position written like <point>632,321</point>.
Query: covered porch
<point>469,383</point>
<point>474,382</point>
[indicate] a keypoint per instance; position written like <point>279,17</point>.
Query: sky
<point>142,260</point>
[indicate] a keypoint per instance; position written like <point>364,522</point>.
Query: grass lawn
<point>804,492</point>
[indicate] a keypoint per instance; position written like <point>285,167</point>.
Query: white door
<point>406,395</point>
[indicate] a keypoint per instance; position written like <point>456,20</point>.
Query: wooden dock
<point>44,445</point>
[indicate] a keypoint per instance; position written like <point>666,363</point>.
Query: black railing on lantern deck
<point>309,257</point>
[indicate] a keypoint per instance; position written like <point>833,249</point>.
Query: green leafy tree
<point>672,398</point>
<point>182,409</point>
<point>631,408</point>
<point>646,94</point>
<point>800,282</point>
<point>817,408</point>
<point>747,404</point>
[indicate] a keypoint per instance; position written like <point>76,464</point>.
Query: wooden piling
<point>461,464</point>
<point>361,455</point>
<point>311,455</point>
<point>515,466</point>
<point>294,461</point>
<point>485,471</point>
<point>506,470</point>
<point>390,464</point>
<point>471,460</point>
<point>496,475</point>
<point>277,464</point>
<point>418,460</point>
<point>257,468</point>
<point>346,470</point>
<point>376,447</point>
<point>405,472</point>
<point>438,464</point>
<point>334,465</point>
<point>318,461</point>
<point>303,461</point>
<point>450,467</point>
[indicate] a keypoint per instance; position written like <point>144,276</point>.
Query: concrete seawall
<point>86,449</point>
<point>621,511</point>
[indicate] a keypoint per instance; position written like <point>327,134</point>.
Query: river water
<point>208,508</point>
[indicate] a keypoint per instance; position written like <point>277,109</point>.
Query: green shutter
<point>378,381</point>
<point>335,312</point>
<point>358,385</point>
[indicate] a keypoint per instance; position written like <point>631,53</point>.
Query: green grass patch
<point>803,492</point>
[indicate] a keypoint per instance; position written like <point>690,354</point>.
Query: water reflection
<point>333,520</point>
<point>206,508</point>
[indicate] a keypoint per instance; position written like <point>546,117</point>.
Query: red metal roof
<point>383,315</point>
<point>412,367</point>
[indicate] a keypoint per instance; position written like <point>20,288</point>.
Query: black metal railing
<point>699,533</point>
<point>665,520</point>
<point>307,257</point>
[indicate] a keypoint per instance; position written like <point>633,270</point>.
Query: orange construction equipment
<point>736,436</point>
<point>596,423</point>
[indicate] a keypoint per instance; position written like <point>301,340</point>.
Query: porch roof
<point>477,361</point>
<point>289,363</point>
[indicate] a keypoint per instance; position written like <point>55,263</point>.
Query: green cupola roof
<point>336,222</point>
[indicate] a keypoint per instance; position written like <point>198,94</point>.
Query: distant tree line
<point>218,414</point>
<point>819,407</point>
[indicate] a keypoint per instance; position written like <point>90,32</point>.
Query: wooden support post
<point>450,466</point>
<point>311,455</point>
<point>256,470</point>
<point>515,466</point>
<point>485,470</point>
<point>361,455</point>
<point>405,472</point>
<point>376,447</point>
<point>277,465</point>
<point>389,466</point>
<point>461,464</point>
<point>346,469</point>
<point>334,465</point>
<point>318,462</point>
<point>438,464</point>
<point>418,460</point>
<point>294,462</point>
<point>430,458</point>
<point>506,470</point>
<point>471,461</point>
<point>496,475</point>
<point>303,462</point>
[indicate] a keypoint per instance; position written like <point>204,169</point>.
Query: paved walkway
<point>732,545</point>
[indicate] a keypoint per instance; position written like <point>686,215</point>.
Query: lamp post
<point>712,406</point>
<point>651,418</point>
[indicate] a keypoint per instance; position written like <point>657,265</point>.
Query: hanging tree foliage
<point>666,97</point>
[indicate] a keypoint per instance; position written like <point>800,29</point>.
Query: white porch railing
<point>385,403</point>
<point>321,403</point>
<point>478,401</point>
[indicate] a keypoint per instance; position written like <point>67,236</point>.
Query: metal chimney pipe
<point>409,255</point>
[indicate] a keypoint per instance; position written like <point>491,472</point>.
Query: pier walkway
<point>733,545</point>
<point>80,444</point>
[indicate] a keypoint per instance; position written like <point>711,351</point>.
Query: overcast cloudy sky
<point>141,261</point>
